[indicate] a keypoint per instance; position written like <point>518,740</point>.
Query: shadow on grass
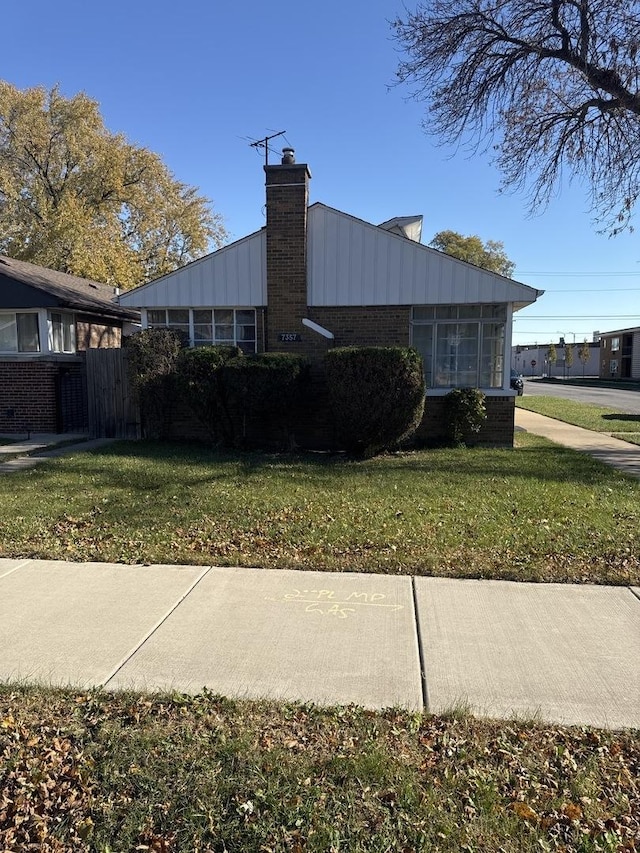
<point>122,465</point>
<point>634,419</point>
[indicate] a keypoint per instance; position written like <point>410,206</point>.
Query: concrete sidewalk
<point>567,654</point>
<point>612,451</point>
<point>28,452</point>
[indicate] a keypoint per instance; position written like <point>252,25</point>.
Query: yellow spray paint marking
<point>326,602</point>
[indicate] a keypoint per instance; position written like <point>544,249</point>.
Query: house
<point>315,277</point>
<point>47,320</point>
<point>620,354</point>
<point>532,360</point>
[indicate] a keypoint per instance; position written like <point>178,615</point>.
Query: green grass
<point>102,772</point>
<point>586,415</point>
<point>539,512</point>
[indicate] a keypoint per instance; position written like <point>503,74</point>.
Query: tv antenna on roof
<point>264,143</point>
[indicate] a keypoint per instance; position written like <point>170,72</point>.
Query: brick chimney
<point>287,187</point>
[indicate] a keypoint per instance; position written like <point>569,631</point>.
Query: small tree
<point>568,356</point>
<point>552,356</point>
<point>583,354</point>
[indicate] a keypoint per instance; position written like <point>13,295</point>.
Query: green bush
<point>152,356</point>
<point>198,378</point>
<point>376,396</point>
<point>266,391</point>
<point>465,413</point>
<point>242,399</point>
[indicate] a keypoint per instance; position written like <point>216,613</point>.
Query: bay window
<point>462,346</point>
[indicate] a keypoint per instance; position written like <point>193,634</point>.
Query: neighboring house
<point>47,320</point>
<point>532,359</point>
<point>620,354</point>
<point>316,278</point>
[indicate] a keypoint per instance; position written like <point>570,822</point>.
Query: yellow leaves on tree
<point>77,198</point>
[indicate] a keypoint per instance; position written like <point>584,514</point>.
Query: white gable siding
<point>231,277</point>
<point>351,262</point>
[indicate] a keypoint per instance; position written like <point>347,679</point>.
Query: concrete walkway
<point>619,454</point>
<point>563,653</point>
<point>28,452</point>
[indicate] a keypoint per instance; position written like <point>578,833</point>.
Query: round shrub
<point>376,396</point>
<point>465,413</point>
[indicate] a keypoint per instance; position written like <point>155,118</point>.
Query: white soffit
<point>232,276</point>
<point>351,262</point>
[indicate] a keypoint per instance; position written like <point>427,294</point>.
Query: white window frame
<point>248,346</point>
<point>68,330</point>
<point>486,315</point>
<point>17,350</point>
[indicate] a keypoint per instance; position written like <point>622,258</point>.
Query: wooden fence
<point>113,411</point>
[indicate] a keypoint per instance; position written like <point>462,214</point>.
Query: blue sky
<point>193,81</point>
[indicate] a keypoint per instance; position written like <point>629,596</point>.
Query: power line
<point>580,274</point>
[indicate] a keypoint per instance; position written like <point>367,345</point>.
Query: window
<point>461,345</point>
<point>19,333</point>
<point>615,344</point>
<point>209,326</point>
<point>63,332</point>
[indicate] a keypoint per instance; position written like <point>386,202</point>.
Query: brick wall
<point>497,429</point>
<point>28,396</point>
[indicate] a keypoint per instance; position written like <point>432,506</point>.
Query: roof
<point>350,262</point>
<point>620,332</point>
<point>57,289</point>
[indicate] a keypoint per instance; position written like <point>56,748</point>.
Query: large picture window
<point>209,326</point>
<point>461,345</point>
<point>19,332</point>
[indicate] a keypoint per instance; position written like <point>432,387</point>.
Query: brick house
<point>315,277</point>
<point>620,354</point>
<point>47,320</point>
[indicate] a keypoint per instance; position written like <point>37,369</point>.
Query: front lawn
<point>540,512</point>
<point>586,415</point>
<point>176,774</point>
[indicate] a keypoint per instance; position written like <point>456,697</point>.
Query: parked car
<point>517,382</point>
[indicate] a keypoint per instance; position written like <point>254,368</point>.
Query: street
<point>621,400</point>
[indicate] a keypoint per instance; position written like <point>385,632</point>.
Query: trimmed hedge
<point>376,395</point>
<point>198,377</point>
<point>243,399</point>
<point>152,358</point>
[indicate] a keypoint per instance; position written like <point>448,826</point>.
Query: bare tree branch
<point>548,84</point>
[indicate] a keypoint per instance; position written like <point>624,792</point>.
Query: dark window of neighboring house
<point>461,345</point>
<point>19,332</point>
<point>62,332</point>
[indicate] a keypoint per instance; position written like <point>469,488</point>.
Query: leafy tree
<point>490,255</point>
<point>77,198</point>
<point>550,83</point>
<point>568,356</point>
<point>552,356</point>
<point>583,354</point>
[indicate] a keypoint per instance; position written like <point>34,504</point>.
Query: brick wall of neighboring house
<point>95,334</point>
<point>28,396</point>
